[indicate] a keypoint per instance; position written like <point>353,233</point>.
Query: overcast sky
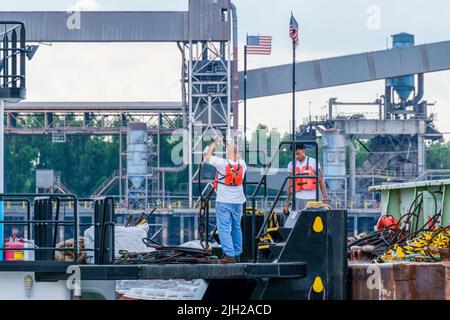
<point>151,72</point>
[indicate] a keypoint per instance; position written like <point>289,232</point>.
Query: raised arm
<point>210,151</point>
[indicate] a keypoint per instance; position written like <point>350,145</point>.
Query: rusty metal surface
<point>400,281</point>
<point>364,283</point>
<point>447,281</point>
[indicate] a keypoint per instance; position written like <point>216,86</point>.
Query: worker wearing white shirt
<point>305,189</point>
<point>229,200</point>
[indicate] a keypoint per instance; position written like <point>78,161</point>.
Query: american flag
<point>259,45</point>
<point>293,30</point>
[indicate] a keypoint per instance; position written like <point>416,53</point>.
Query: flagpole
<point>253,256</point>
<point>294,146</point>
<point>245,119</point>
<point>245,108</point>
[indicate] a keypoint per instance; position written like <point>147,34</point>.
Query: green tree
<point>438,156</point>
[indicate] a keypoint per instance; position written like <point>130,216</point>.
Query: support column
<point>421,156</point>
<point>8,120</point>
<point>181,228</point>
<point>331,103</point>
<point>190,131</point>
<point>195,228</point>
<point>121,204</point>
<point>86,119</point>
<point>352,160</point>
<point>158,154</point>
<point>164,190</point>
<point>165,231</point>
<point>387,101</point>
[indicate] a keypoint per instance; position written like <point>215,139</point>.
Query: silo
<point>404,86</point>
<point>334,162</point>
<point>137,155</point>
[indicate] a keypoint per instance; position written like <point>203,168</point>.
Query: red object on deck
<point>14,255</point>
<point>387,222</point>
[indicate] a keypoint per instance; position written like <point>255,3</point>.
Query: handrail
<point>47,209</point>
<point>203,228</point>
<point>268,167</point>
<point>13,36</point>
<point>433,173</point>
<point>107,181</point>
<point>264,178</point>
<point>385,173</point>
<point>261,230</point>
<point>28,211</point>
<point>76,222</point>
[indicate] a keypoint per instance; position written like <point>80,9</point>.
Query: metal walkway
<point>58,271</point>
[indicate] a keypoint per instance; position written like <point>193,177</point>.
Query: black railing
<point>104,230</point>
<point>28,212</point>
<point>46,220</point>
<point>43,223</point>
<point>205,199</point>
<point>263,179</point>
<point>203,227</point>
<point>12,60</point>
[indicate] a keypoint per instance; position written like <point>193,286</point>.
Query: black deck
<point>57,271</point>
<point>34,266</point>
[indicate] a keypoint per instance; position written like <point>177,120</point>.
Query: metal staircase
<point>272,243</point>
<point>275,231</point>
<point>107,183</point>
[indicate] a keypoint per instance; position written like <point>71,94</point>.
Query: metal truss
<point>34,123</point>
<point>207,69</point>
<point>106,123</point>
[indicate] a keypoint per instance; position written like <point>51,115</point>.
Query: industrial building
<point>394,135</point>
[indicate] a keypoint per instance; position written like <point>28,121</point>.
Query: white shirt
<point>228,194</point>
<point>305,194</point>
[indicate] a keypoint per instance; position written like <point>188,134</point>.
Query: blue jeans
<point>228,216</point>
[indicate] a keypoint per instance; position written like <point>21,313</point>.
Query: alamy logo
<point>74,20</point>
<point>74,11</point>
<point>74,280</point>
<point>374,17</point>
<point>375,282</point>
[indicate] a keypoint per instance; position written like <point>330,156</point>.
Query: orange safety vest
<point>304,184</point>
<point>233,176</point>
